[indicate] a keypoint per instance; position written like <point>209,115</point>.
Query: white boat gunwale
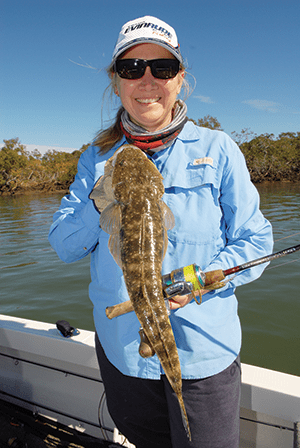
<point>51,375</point>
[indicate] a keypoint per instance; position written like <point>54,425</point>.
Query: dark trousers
<point>148,414</point>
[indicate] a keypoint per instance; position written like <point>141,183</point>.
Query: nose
<point>148,81</point>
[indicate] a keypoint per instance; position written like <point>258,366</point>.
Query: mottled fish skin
<point>138,244</point>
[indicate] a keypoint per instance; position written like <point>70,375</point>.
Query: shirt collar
<point>189,132</point>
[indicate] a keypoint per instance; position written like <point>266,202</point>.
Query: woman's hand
<point>180,301</point>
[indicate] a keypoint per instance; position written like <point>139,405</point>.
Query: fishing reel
<point>187,280</point>
<point>182,281</point>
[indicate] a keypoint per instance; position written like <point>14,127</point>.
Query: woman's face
<point>148,100</point>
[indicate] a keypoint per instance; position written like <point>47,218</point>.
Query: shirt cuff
<point>90,217</point>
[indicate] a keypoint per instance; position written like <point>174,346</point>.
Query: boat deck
<point>21,429</point>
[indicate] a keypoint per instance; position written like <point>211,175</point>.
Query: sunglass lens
<point>165,68</point>
<point>130,68</point>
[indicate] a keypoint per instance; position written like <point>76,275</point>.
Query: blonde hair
<point>108,138</point>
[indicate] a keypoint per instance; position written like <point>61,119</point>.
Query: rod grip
<point>119,309</point>
<point>212,277</point>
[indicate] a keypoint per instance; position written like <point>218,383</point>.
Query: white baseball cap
<point>147,29</point>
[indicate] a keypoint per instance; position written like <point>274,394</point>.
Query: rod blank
<point>267,258</point>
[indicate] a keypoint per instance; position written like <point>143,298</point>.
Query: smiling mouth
<point>147,100</point>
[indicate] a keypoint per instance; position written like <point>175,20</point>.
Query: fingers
<point>180,301</point>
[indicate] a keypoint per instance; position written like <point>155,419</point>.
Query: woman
<point>217,225</point>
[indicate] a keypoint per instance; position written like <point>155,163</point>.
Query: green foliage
<point>273,159</point>
<point>13,155</point>
<point>21,170</point>
<point>244,136</point>
<point>208,122</point>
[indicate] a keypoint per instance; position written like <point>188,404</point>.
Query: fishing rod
<point>191,278</point>
<point>262,260</point>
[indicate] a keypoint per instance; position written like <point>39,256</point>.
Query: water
<point>35,284</point>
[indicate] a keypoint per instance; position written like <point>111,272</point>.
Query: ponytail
<point>107,138</point>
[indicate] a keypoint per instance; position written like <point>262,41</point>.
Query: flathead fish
<point>129,197</point>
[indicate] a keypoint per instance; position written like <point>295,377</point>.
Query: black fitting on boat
<point>65,328</point>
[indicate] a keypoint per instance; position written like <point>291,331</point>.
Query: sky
<point>242,58</point>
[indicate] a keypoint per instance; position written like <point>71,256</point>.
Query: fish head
<point>134,173</point>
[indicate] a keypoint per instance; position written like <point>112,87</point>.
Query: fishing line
<point>100,410</point>
<point>287,262</point>
<point>282,264</point>
<point>285,237</point>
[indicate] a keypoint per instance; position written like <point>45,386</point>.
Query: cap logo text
<point>155,27</point>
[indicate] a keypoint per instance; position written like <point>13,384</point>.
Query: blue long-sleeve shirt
<point>218,225</point>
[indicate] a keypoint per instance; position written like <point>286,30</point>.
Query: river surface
<point>35,284</point>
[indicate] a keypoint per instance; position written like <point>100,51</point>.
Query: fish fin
<point>166,242</point>
<point>110,218</point>
<point>114,245</point>
<point>168,223</point>
<point>102,193</point>
<point>168,217</point>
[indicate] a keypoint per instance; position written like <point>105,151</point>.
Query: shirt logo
<point>204,161</point>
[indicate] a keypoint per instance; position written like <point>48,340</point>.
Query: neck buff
<point>154,142</point>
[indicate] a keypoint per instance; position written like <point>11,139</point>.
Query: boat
<point>56,378</point>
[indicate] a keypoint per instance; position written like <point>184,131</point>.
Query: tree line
<point>268,159</point>
<point>24,171</point>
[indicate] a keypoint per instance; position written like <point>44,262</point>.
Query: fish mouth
<point>148,100</point>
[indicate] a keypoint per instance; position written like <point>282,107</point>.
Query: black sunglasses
<point>135,68</point>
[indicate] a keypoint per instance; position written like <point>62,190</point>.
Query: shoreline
<point>64,190</point>
<point>29,191</point>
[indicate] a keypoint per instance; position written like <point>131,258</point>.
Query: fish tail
<point>166,351</point>
<point>184,417</point>
<point>177,388</point>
